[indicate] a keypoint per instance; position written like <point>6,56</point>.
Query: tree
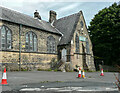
<point>105,34</point>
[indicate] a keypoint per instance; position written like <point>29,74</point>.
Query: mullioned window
<point>5,38</point>
<point>31,41</point>
<point>51,44</point>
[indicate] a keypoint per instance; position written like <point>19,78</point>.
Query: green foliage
<point>23,69</point>
<point>55,70</point>
<point>105,34</point>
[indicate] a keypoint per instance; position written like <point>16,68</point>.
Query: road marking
<point>70,89</point>
<point>107,88</point>
<point>64,90</point>
<point>53,88</point>
<point>86,90</point>
<point>111,89</point>
<point>42,86</point>
<point>31,89</point>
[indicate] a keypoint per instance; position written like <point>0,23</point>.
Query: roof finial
<point>36,15</point>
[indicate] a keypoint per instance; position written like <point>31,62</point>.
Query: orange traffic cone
<point>101,73</point>
<point>83,74</point>
<point>4,78</point>
<point>79,74</point>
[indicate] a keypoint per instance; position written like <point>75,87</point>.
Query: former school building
<point>32,43</point>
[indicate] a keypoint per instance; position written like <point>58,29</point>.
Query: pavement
<point>65,82</point>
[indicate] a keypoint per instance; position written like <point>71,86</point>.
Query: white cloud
<point>69,7</point>
<point>12,2</point>
<point>62,8</point>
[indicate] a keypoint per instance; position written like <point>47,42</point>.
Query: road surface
<point>60,82</point>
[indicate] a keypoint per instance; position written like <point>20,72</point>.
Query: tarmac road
<point>65,82</point>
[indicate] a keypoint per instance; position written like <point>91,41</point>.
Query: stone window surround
<point>87,46</point>
<point>33,42</point>
<point>51,44</point>
<point>77,48</point>
<point>6,41</point>
<point>81,23</point>
<point>24,51</point>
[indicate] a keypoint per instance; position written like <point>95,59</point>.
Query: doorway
<point>63,55</point>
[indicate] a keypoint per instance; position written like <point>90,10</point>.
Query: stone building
<point>32,43</point>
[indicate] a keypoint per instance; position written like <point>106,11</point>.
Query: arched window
<point>87,46</point>
<point>5,38</point>
<point>81,23</point>
<point>31,41</point>
<point>77,43</point>
<point>51,44</point>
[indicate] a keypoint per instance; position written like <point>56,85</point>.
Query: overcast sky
<point>62,8</point>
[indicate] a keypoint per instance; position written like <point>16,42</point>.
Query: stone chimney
<point>52,16</point>
<point>36,15</point>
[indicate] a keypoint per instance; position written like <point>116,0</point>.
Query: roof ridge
<point>68,16</point>
<point>24,19</point>
<point>16,11</point>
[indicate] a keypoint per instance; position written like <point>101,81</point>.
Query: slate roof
<point>19,18</point>
<point>67,26</point>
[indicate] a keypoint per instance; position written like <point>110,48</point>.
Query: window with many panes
<point>77,43</point>
<point>31,41</point>
<point>87,46</point>
<point>51,44</point>
<point>5,38</point>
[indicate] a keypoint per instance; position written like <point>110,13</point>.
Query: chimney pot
<point>52,16</point>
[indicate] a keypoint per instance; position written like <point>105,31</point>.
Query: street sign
<point>82,38</point>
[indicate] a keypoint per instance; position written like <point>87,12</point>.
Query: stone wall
<point>41,59</point>
<point>80,58</point>
<point>30,60</point>
<point>41,37</point>
<point>77,59</point>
